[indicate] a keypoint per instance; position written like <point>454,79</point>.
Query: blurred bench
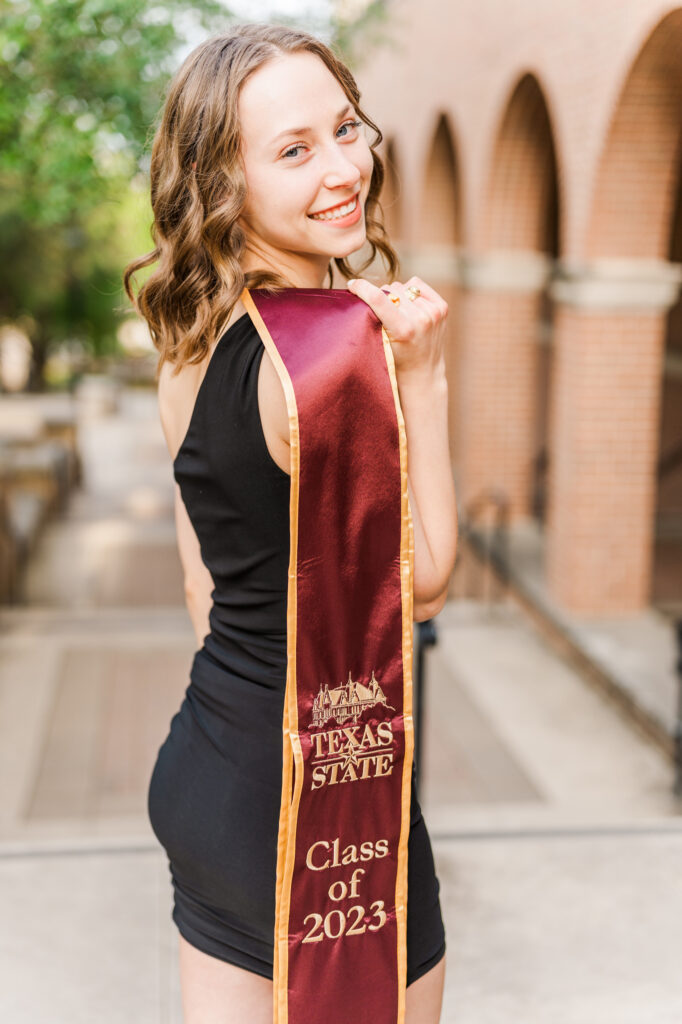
<point>39,465</point>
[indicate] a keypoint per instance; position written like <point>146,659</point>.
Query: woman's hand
<point>415,331</point>
<point>415,327</point>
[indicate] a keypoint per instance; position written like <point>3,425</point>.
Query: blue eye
<point>349,124</point>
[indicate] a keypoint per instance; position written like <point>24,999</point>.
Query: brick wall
<point>535,181</point>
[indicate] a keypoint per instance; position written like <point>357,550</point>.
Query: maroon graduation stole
<point>340,952</point>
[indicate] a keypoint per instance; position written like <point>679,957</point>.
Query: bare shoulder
<point>175,399</point>
<point>177,395</point>
<point>177,392</point>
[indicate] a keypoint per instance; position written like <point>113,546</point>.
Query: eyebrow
<point>300,131</point>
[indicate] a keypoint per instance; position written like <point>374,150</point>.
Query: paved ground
<point>556,837</point>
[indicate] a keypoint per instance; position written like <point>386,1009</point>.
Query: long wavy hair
<point>198,190</point>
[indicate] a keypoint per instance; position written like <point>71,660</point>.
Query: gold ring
<point>413,292</point>
<point>394,298</point>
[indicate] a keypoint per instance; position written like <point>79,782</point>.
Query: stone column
<point>437,265</point>
<point>609,339</point>
<point>499,348</point>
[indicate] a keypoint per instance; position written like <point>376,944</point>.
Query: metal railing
<point>490,543</point>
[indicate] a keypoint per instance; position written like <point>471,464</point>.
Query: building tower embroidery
<point>345,703</point>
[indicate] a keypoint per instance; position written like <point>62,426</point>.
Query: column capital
<point>435,262</point>
<point>509,270</point>
<point>505,270</point>
<point>612,284</point>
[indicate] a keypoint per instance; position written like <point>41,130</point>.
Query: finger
<point>421,310</point>
<point>430,294</point>
<point>418,308</point>
<point>396,322</point>
<point>422,314</point>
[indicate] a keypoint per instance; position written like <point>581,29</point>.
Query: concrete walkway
<point>556,836</point>
<point>633,655</point>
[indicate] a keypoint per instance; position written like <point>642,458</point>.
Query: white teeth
<point>343,211</point>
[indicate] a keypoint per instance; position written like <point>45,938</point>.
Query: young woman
<point>261,134</point>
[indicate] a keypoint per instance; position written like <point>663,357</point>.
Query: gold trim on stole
<point>407,597</point>
<point>289,803</point>
<point>286,846</point>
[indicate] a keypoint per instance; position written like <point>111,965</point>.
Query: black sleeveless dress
<point>214,794</point>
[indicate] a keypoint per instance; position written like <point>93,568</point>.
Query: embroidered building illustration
<point>346,702</point>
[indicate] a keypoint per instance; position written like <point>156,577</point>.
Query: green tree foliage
<point>359,35</point>
<point>81,82</point>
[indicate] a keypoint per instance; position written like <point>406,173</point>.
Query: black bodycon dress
<point>214,792</point>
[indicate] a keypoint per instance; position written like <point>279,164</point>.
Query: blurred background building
<point>535,179</point>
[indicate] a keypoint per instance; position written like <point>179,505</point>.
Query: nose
<point>339,169</point>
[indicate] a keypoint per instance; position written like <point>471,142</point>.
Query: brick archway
<point>666,574</point>
<point>611,324</point>
<point>436,234</point>
<point>507,325</point>
<point>391,194</point>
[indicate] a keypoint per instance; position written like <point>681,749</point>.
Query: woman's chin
<point>348,245</point>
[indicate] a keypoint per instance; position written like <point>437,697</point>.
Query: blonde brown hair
<point>197,239</point>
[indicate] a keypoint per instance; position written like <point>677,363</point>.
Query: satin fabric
<point>340,927</point>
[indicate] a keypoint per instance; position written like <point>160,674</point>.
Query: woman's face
<point>302,154</point>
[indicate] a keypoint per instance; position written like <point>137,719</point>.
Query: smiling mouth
<point>338,211</point>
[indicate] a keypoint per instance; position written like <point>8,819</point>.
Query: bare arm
<point>424,402</point>
<point>415,330</point>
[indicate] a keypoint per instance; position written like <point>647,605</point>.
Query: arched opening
<point>509,342</point>
<point>666,577</point>
<point>620,423</point>
<point>391,194</point>
<point>437,242</point>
